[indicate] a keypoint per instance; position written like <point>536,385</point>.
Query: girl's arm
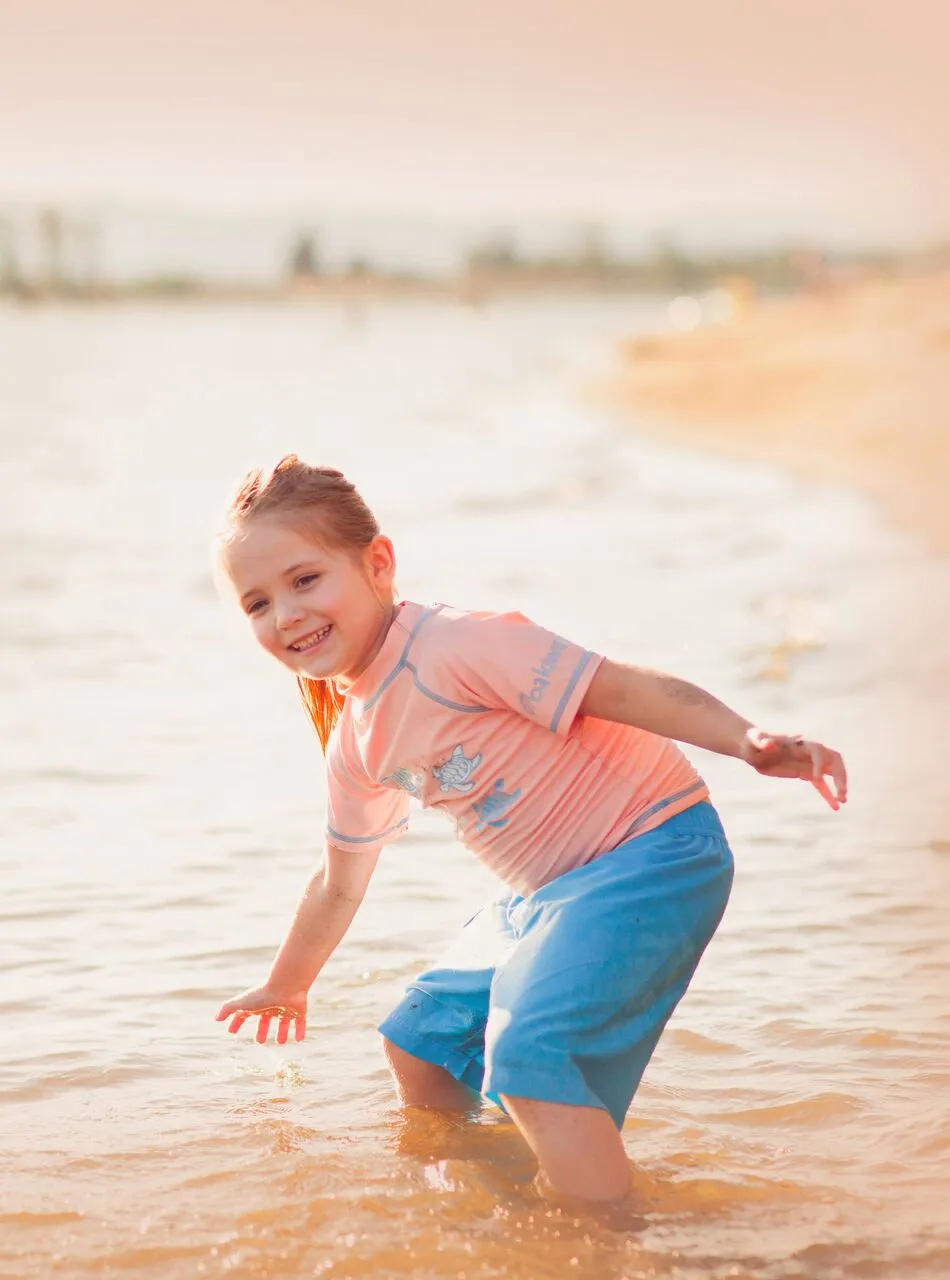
<point>674,708</point>
<point>664,705</point>
<point>323,915</point>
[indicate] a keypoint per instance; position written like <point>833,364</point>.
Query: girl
<point>559,771</point>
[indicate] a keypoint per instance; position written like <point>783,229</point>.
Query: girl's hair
<point>324,503</point>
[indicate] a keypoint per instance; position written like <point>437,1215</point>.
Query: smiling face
<point>321,611</point>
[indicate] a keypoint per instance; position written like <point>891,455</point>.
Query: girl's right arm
<point>324,914</point>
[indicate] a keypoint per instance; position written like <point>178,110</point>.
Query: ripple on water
<point>792,1123</point>
<point>808,1110</point>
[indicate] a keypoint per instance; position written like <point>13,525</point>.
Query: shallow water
<point>163,803</point>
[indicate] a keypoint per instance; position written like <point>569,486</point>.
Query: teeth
<point>310,640</point>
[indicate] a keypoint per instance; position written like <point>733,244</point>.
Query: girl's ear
<point>380,559</point>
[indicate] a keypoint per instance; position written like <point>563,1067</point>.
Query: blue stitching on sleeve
<point>571,686</point>
<point>366,839</point>
<point>437,697</point>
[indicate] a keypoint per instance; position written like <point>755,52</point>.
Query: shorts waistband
<point>700,818</point>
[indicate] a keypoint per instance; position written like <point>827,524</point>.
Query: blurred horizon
<point>724,126</point>
<point>52,250</point>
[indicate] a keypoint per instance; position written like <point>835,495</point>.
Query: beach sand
<point>849,386</point>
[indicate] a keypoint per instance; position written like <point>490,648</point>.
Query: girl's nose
<point>288,614</point>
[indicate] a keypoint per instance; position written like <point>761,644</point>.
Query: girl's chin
<point>319,667</point>
<point>315,670</point>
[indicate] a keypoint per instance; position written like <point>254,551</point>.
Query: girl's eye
<point>255,607</point>
<point>306,579</point>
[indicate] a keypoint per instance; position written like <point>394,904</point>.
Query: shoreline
<point>850,387</point>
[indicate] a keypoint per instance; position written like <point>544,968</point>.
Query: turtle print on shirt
<point>454,773</point>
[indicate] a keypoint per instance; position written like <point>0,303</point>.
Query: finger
<point>263,1027</point>
<point>816,753</point>
<point>225,1011</point>
<point>840,776</point>
<point>283,1028</point>
<point>763,741</point>
<point>301,1029</point>
<point>825,792</point>
<point>237,1022</point>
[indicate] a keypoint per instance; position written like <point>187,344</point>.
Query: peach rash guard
<point>477,714</point>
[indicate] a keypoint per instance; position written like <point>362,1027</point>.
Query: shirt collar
<point>390,652</point>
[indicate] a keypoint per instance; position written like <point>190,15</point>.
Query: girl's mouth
<point>309,642</point>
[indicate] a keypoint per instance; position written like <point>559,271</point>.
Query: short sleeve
<point>505,660</point>
<point>360,813</point>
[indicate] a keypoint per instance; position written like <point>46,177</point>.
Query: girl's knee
<point>579,1150</point>
<point>425,1084</point>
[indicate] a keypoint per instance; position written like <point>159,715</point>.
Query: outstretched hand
<point>779,756</point>
<point>267,1005</point>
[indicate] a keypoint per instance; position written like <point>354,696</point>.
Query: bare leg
<point>579,1151</point>
<point>423,1084</point>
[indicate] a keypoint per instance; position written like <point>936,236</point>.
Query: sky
<point>830,116</point>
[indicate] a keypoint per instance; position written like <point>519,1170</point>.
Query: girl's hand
<point>267,1003</point>
<point>779,756</point>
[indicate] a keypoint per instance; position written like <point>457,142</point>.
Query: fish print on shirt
<point>491,808</point>
<point>405,780</point>
<point>454,773</point>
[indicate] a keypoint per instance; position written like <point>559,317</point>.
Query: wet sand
<point>850,386</point>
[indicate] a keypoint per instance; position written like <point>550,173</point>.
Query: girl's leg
<point>579,1150</point>
<point>423,1084</point>
<point>603,955</point>
<point>441,1018</point>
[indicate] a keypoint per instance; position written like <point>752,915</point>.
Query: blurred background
<point>636,320</point>
<point>235,147</point>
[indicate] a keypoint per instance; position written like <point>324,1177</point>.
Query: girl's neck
<point>388,610</point>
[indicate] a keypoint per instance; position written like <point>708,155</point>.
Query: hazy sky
<point>827,114</point>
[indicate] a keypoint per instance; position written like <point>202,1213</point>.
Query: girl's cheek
<point>263,634</point>
<point>334,596</point>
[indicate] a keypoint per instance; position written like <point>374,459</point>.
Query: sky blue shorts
<point>562,995</point>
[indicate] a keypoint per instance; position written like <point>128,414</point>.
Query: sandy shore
<point>852,387</point>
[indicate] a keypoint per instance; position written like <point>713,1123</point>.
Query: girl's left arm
<point>674,708</point>
<point>664,705</point>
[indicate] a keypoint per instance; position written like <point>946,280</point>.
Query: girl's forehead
<point>272,544</point>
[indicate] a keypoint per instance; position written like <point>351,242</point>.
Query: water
<point>163,805</point>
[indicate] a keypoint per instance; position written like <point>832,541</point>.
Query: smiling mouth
<point>311,641</point>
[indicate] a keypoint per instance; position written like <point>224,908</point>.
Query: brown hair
<point>323,502</point>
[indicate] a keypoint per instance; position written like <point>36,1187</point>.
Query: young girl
<point>558,769</point>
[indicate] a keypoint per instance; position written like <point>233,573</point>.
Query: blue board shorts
<point>562,995</point>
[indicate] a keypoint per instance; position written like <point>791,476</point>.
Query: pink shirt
<point>477,714</point>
